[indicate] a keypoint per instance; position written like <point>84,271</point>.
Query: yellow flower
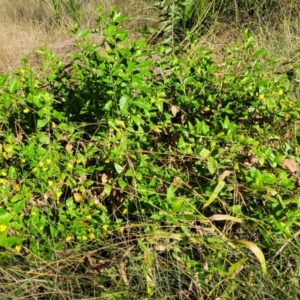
<point>23,160</point>
<point>41,164</point>
<point>88,217</point>
<point>33,213</point>
<point>34,169</point>
<point>58,194</point>
<point>26,110</point>
<point>36,83</point>
<point>261,97</point>
<point>125,211</point>
<point>22,71</point>
<point>280,92</point>
<point>84,238</point>
<point>18,249</point>
<point>50,183</point>
<point>45,169</point>
<point>2,180</point>
<point>70,166</point>
<point>3,173</point>
<point>3,228</point>
<point>69,238</point>
<point>105,227</point>
<point>92,236</point>
<point>48,161</point>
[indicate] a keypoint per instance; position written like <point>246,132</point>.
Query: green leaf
<point>118,168</point>
<point>137,120</point>
<point>108,105</point>
<point>211,165</point>
<point>215,193</point>
<point>12,173</point>
<point>107,189</point>
<point>16,198</point>
<point>121,36</point>
<point>178,205</point>
<point>124,102</point>
<point>41,123</point>
<point>17,207</point>
<point>13,85</point>
<point>258,52</point>
<point>170,192</point>
<point>44,139</point>
<point>5,217</point>
<point>122,183</point>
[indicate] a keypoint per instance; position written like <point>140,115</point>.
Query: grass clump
<point>148,173</point>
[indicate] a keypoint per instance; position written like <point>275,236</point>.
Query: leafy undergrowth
<point>144,174</point>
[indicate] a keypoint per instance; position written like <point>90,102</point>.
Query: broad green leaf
<point>107,189</point>
<point>5,217</point>
<point>17,207</point>
<point>122,183</point>
<point>178,205</point>
<point>12,172</point>
<point>41,123</point>
<point>118,168</point>
<point>124,102</point>
<point>211,165</point>
<point>108,105</point>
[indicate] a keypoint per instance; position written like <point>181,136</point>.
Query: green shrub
<point>154,145</point>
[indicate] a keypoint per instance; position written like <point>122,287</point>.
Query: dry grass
<point>31,26</point>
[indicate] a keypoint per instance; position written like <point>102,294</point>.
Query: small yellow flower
<point>58,194</point>
<point>41,164</point>
<point>50,183</point>
<point>3,228</point>
<point>251,94</point>
<point>34,169</point>
<point>26,110</point>
<point>18,249</point>
<point>48,161</point>
<point>261,97</point>
<point>280,92</point>
<point>2,180</point>
<point>45,169</point>
<point>125,211</point>
<point>84,238</point>
<point>207,108</point>
<point>88,217</point>
<point>33,213</point>
<point>92,236</point>
<point>70,166</point>
<point>23,160</point>
<point>105,227</point>
<point>22,71</point>
<point>69,238</point>
<point>36,83</point>
<point>3,173</point>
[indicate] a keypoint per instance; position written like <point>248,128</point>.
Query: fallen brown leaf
<point>291,165</point>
